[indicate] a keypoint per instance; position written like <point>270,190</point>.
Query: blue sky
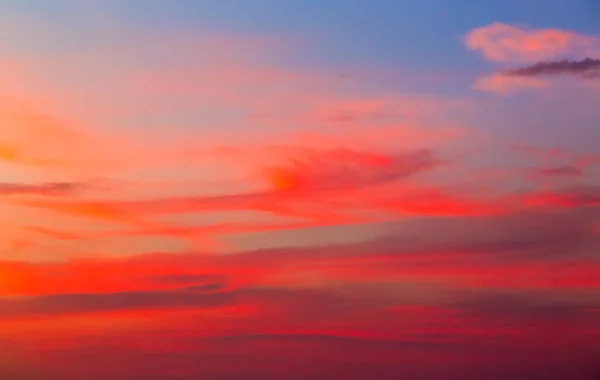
<point>416,34</point>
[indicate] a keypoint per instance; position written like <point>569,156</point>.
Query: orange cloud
<point>30,137</point>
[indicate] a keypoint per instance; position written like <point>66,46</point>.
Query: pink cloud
<point>503,85</point>
<point>543,50</point>
<point>500,42</point>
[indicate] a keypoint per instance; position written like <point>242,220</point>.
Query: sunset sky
<point>299,189</point>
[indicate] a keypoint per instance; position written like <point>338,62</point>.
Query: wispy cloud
<point>587,68</point>
<point>503,84</point>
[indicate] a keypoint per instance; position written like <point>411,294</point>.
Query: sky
<point>299,189</point>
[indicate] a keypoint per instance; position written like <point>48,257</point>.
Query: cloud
<point>543,49</point>
<point>587,68</point>
<point>34,137</point>
<point>582,196</point>
<point>345,169</point>
<point>481,331</point>
<point>567,171</point>
<point>306,182</point>
<point>122,301</point>
<point>499,42</point>
<point>519,251</point>
<point>311,189</point>
<point>482,282</point>
<point>296,303</point>
<point>527,306</point>
<point>504,85</point>
<point>539,152</point>
<point>46,189</point>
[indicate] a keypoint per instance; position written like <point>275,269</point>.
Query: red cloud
<point>345,169</point>
<point>573,197</point>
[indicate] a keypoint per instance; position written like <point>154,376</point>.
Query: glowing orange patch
<point>281,179</point>
<point>8,153</point>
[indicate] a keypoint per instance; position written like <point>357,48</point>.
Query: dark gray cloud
<point>588,68</point>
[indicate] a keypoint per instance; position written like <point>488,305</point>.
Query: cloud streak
<point>47,189</point>
<point>587,68</point>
